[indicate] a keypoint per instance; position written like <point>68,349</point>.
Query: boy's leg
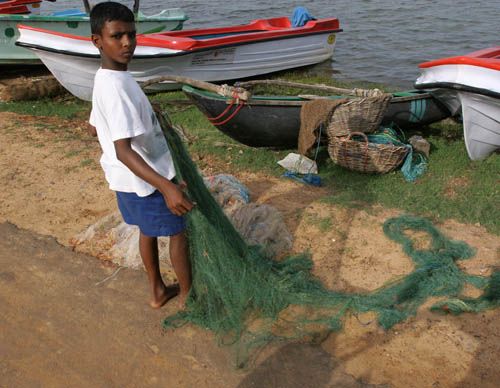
<point>148,247</point>
<point>180,261</point>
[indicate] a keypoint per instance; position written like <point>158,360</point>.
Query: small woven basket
<point>358,115</point>
<point>364,156</point>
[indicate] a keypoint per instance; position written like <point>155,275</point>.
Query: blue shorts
<point>150,214</point>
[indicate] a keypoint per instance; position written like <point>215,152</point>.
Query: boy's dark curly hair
<point>108,11</point>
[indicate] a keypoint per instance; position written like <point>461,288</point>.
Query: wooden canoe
<point>274,121</point>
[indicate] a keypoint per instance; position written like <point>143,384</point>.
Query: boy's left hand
<point>176,200</point>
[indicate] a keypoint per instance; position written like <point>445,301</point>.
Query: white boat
<point>13,7</point>
<point>73,22</point>
<point>469,86</point>
<point>210,54</point>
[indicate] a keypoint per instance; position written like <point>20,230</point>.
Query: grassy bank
<point>453,186</point>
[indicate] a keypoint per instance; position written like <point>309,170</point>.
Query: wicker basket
<point>363,156</point>
<point>358,115</point>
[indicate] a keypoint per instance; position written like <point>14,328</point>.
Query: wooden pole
<point>278,82</point>
<point>223,90</point>
<point>86,6</point>
<point>322,87</point>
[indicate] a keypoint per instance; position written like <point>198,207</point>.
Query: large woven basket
<point>364,156</point>
<point>358,115</point>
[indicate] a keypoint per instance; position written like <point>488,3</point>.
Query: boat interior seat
<point>167,41</point>
<point>494,54</point>
<point>69,12</point>
<point>272,24</point>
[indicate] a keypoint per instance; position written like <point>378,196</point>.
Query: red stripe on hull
<point>185,40</point>
<point>488,58</point>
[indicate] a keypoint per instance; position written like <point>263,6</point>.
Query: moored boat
<point>209,54</point>
<point>274,121</point>
<point>19,6</point>
<point>71,22</point>
<point>470,87</point>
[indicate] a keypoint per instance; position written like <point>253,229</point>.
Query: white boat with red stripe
<point>469,86</point>
<point>208,54</point>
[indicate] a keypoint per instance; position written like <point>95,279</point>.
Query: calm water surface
<point>383,40</point>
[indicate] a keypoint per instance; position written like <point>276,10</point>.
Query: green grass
<point>67,107</point>
<point>324,224</point>
<point>453,186</point>
<point>72,153</point>
<point>86,162</point>
<point>207,140</point>
<point>303,77</point>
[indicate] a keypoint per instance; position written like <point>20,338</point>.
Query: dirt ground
<point>62,326</point>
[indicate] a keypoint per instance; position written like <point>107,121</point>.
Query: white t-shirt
<point>121,110</point>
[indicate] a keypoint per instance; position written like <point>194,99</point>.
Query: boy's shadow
<point>299,365</point>
<point>292,365</point>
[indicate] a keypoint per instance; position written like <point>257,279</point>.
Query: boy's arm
<point>176,201</point>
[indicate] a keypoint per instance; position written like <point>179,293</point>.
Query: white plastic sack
<point>299,164</point>
<point>111,239</point>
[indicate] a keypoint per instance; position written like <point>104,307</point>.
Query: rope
<point>411,169</point>
<point>240,105</point>
<point>317,145</point>
<point>239,292</point>
<point>234,100</point>
<point>212,119</point>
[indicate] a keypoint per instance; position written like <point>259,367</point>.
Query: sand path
<point>61,328</point>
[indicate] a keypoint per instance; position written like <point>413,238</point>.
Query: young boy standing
<point>136,159</point>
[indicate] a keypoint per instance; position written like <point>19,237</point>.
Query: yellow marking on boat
<point>331,39</point>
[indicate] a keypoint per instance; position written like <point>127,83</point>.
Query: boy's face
<point>116,43</point>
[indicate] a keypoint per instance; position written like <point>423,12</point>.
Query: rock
<point>419,144</point>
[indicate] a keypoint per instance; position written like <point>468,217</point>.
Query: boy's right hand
<point>176,199</point>
<point>91,129</point>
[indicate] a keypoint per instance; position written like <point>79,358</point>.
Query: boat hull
<point>473,93</point>
<point>461,77</point>
<point>481,120</point>
<point>13,7</point>
<point>76,72</point>
<point>10,54</point>
<point>275,122</point>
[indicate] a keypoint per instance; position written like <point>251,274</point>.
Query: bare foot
<point>163,296</point>
<point>181,302</point>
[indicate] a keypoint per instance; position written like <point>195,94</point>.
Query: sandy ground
<point>60,329</point>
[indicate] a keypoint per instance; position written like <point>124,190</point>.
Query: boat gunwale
<point>487,58</point>
<point>17,4</point>
<point>52,18</point>
<point>179,53</point>
<point>287,100</point>
<point>458,87</point>
<point>9,3</point>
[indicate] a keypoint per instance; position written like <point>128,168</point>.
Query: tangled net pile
<point>248,299</point>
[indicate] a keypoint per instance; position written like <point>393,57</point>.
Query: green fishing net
<point>248,299</point>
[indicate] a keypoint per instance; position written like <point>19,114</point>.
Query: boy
<point>136,159</point>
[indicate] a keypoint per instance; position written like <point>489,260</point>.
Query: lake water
<point>383,40</point>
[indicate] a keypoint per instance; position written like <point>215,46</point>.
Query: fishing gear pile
<point>249,299</point>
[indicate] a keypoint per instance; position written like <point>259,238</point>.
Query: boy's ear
<point>96,40</point>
